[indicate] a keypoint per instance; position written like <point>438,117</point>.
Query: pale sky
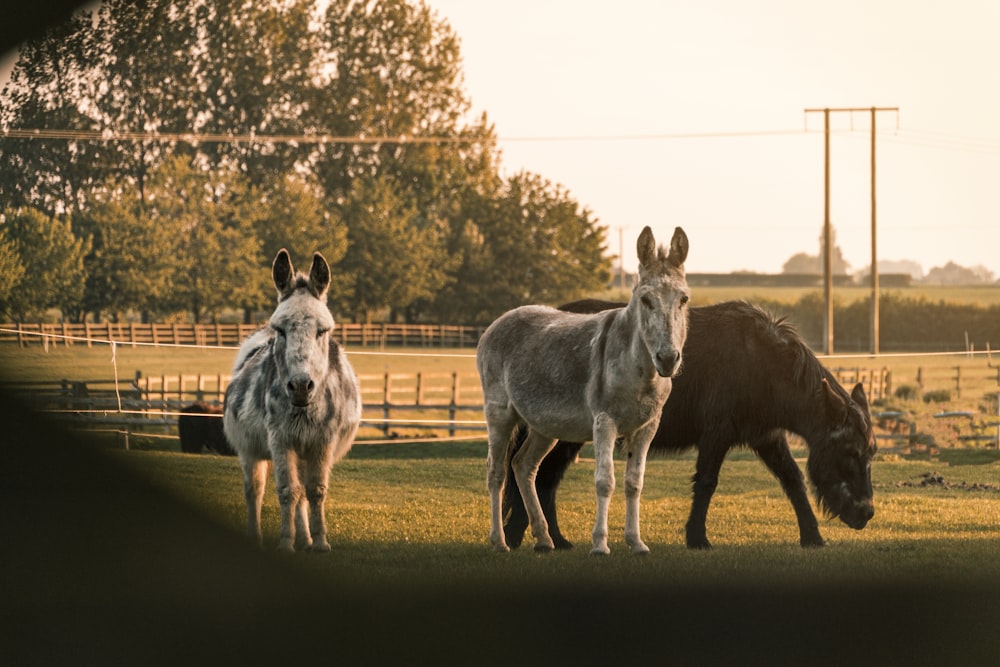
<point>634,69</point>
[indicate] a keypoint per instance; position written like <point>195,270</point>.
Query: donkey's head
<point>840,459</point>
<point>660,298</point>
<point>302,326</point>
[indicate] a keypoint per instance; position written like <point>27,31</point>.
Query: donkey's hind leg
<point>501,420</point>
<point>254,481</point>
<point>525,465</point>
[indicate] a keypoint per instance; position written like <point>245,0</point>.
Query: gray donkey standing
<point>294,399</point>
<point>590,377</point>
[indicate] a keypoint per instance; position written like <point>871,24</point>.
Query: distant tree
<point>802,262</point>
<point>805,263</point>
<point>53,261</point>
<point>953,274</point>
<point>906,266</point>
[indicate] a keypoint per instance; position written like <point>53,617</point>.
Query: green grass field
<point>400,511</point>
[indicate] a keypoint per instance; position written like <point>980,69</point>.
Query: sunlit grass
<point>394,518</point>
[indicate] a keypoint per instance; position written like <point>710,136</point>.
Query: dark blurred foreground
<point>99,568</point>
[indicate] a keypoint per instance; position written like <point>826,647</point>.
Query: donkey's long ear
<point>678,248</point>
<point>859,397</point>
<point>646,248</point>
<point>282,272</point>
<point>319,276</point>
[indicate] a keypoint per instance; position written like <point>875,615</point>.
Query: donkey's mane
<point>806,368</point>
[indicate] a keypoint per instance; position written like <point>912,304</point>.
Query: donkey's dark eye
<point>647,302</point>
<point>321,332</point>
<point>685,299</point>
<point>278,330</point>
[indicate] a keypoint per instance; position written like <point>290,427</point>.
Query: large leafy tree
<point>11,268</point>
<point>214,253</point>
<point>52,259</point>
<point>48,91</point>
<point>130,263</point>
<point>530,242</point>
<point>226,73</point>
<point>394,260</point>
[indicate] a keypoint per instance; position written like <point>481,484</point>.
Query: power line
<point>253,138</point>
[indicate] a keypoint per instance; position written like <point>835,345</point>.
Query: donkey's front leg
<point>290,493</point>
<point>605,432</point>
<point>254,481</point>
<point>635,473</point>
<point>317,482</point>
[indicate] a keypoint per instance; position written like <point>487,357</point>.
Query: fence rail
<point>229,335</point>
<point>391,402</point>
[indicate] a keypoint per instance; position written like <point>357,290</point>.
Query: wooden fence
<point>230,335</point>
<point>876,381</point>
<point>428,403</point>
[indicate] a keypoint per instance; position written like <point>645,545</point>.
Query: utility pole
<point>828,233</point>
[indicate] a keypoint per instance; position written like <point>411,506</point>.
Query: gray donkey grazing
<point>294,399</point>
<point>585,377</point>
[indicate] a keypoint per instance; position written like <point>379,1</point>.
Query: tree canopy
<point>181,143</point>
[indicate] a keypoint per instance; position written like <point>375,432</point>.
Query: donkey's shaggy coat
<point>293,399</point>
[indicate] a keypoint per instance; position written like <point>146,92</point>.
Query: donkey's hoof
<point>600,551</point>
<point>639,548</point>
<point>501,548</point>
<point>544,548</point>
<point>320,547</point>
<point>286,548</point>
<point>562,543</point>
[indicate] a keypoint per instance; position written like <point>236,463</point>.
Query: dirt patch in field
<point>937,481</point>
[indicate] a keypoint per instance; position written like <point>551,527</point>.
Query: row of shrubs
<point>905,323</point>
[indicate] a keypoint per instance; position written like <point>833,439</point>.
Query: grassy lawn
<point>402,511</point>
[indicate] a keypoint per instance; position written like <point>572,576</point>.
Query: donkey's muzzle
<point>667,363</point>
<point>857,515</point>
<point>300,389</point>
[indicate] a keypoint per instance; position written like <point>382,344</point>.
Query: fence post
<point>452,409</point>
<point>386,398</point>
<point>958,382</point>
